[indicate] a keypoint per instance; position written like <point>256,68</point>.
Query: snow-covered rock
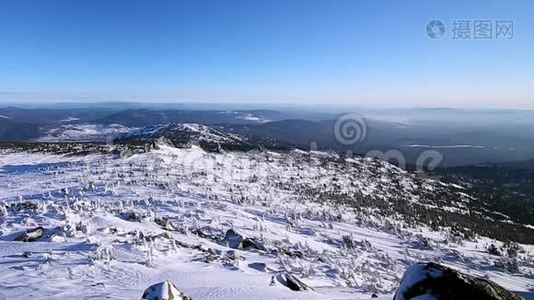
<point>31,235</point>
<point>434,281</point>
<point>291,282</point>
<point>163,291</point>
<point>237,241</point>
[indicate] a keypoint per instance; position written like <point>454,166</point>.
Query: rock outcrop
<point>290,281</point>
<point>163,291</point>
<point>434,281</point>
<point>237,241</point>
<point>31,235</point>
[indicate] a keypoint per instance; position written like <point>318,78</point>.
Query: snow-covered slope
<point>113,227</point>
<point>83,132</point>
<point>187,134</point>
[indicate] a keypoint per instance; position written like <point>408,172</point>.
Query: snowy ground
<point>116,226</point>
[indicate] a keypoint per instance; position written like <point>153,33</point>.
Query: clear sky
<point>305,52</point>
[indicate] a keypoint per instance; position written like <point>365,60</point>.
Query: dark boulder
<point>26,205</point>
<point>434,281</point>
<point>31,235</point>
<point>133,216</point>
<point>233,239</point>
<point>248,243</point>
<point>237,241</point>
<point>165,224</point>
<point>290,281</point>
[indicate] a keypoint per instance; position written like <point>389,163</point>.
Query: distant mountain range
<point>146,117</point>
<point>463,137</point>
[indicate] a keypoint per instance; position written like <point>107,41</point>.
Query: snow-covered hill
<point>187,134</point>
<point>221,225</point>
<point>183,133</point>
<point>83,132</point>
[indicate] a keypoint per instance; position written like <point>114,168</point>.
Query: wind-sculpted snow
<point>115,226</point>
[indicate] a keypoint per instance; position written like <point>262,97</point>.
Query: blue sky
<point>358,53</point>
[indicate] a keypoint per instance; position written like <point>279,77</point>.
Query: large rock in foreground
<point>163,291</point>
<point>434,281</point>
